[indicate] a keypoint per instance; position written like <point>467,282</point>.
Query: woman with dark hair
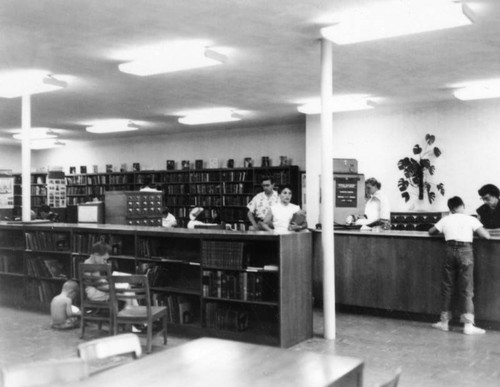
<point>377,209</point>
<point>279,216</point>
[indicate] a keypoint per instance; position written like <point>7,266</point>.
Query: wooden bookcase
<point>254,287</point>
<point>224,193</point>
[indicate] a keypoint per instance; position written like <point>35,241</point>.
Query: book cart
<point>254,287</point>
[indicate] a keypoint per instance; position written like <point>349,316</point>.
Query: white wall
<point>467,134</point>
<point>10,158</point>
<point>153,151</point>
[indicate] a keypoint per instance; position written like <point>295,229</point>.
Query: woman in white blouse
<point>278,217</point>
<point>377,208</point>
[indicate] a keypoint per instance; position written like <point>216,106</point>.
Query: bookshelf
<point>223,192</point>
<point>11,265</point>
<point>230,284</point>
<point>38,185</point>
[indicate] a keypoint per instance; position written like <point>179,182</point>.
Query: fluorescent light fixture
<point>478,90</point>
<point>28,82</point>
<point>209,116</point>
<point>338,103</point>
<point>381,20</point>
<point>36,134</point>
<point>46,144</point>
<point>112,126</point>
<point>173,58</point>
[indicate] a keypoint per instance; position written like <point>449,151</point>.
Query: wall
<point>10,158</point>
<point>466,133</point>
<point>152,152</point>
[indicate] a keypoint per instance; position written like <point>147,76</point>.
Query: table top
<point>214,362</point>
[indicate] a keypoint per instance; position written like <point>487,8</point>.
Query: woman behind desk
<point>377,209</point>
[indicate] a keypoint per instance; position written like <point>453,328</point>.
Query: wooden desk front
<point>213,362</point>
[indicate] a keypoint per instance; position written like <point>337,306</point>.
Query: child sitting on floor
<point>64,314</point>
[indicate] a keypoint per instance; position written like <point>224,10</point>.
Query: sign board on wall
<point>6,192</point>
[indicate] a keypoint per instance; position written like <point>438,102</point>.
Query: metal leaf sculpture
<point>416,171</point>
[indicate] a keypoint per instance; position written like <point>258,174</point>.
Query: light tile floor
<point>428,357</point>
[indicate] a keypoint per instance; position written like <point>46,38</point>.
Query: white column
<point>327,190</point>
<point>26,157</point>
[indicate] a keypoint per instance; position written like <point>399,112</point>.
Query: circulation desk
<point>400,272</point>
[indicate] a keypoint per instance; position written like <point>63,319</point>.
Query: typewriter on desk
<point>414,221</point>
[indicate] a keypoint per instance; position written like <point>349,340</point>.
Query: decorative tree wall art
<point>418,171</point>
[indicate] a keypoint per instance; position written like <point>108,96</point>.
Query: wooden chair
<point>44,373</point>
<point>101,354</point>
<point>393,382</point>
<point>95,275</point>
<point>137,287</point>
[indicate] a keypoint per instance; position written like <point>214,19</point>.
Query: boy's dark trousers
<point>458,273</point>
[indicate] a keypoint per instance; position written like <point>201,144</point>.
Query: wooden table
<point>209,362</point>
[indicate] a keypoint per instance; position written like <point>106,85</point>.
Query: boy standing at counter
<point>458,267</point>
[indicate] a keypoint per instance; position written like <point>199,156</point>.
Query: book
<point>94,168</point>
<point>298,219</point>
<point>123,167</point>
<point>185,164</point>
<point>198,164</point>
<point>54,268</point>
<point>248,162</point>
<point>109,168</point>
<point>83,169</point>
<point>136,167</point>
<point>170,165</point>
<point>72,170</point>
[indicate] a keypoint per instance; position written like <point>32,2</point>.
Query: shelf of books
<point>231,284</point>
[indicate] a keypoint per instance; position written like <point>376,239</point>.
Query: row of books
<point>38,190</point>
<point>177,201</point>
<point>47,241</point>
<point>42,291</point>
<point>233,214</point>
<point>223,254</point>
<point>235,176</point>
<point>204,176</point>
<point>46,268</point>
<point>179,308</point>
<point>76,180</point>
<point>279,177</point>
<point>205,201</point>
<point>11,264</point>
<point>236,188</point>
<point>226,318</point>
<point>231,285</point>
<point>211,189</point>
<point>240,201</point>
<point>76,190</point>
<point>177,189</point>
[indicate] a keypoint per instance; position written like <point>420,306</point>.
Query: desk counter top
<point>213,362</point>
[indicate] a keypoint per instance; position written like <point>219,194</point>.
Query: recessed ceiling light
<point>173,58</point>
<point>338,103</point>
<point>46,144</point>
<point>380,20</point>
<point>112,126</point>
<point>209,116</point>
<point>36,133</point>
<point>28,82</point>
<point>478,90</point>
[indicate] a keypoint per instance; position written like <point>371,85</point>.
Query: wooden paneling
<point>401,271</point>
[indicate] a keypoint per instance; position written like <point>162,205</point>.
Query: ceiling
<point>273,60</point>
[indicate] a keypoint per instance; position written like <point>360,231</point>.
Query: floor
<point>427,357</point>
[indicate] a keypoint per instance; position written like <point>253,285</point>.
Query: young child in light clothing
<point>64,314</point>
<point>458,267</point>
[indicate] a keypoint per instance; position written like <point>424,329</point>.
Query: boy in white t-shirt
<point>458,229</point>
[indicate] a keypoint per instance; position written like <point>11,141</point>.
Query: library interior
<point>249,194</point>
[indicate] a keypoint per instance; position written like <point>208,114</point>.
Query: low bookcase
<point>247,286</point>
